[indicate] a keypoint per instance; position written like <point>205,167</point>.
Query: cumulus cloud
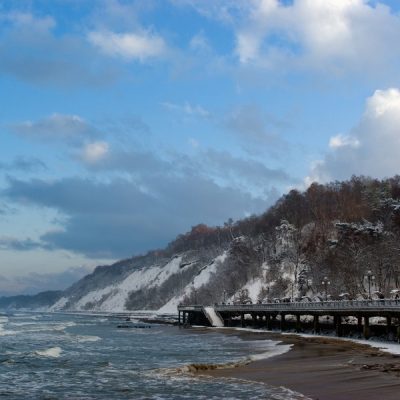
<point>93,152</point>
<point>370,148</point>
<point>335,36</point>
<point>134,162</point>
<point>340,140</point>
<point>130,46</point>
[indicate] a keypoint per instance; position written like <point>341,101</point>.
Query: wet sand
<point>323,369</point>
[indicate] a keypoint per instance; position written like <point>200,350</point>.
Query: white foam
<point>275,350</point>
<point>22,323</point>
<point>52,352</point>
<point>87,338</point>
<point>40,327</point>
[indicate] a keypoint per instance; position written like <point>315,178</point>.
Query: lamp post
<point>195,295</point>
<point>325,283</point>
<point>224,296</point>
<point>370,276</point>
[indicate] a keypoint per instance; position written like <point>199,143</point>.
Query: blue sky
<point>124,123</point>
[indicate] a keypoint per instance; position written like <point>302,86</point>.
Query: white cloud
<point>129,46</point>
<point>328,35</point>
<point>94,152</point>
<point>342,140</point>
<point>383,102</point>
<point>371,148</point>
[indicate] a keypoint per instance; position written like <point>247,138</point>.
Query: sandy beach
<point>322,368</point>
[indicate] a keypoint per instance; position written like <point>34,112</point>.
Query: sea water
<point>53,356</point>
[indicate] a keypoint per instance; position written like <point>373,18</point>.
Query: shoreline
<point>323,368</point>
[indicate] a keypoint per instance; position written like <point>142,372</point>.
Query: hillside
<point>340,231</point>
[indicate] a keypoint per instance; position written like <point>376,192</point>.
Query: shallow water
<point>50,356</point>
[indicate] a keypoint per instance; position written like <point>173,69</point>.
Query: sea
<point>56,356</point>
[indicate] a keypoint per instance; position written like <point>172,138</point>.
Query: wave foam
<point>276,350</point>
<point>87,338</point>
<point>53,352</point>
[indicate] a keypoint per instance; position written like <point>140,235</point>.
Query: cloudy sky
<point>124,123</point>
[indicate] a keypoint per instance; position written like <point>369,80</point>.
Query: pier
<point>345,317</point>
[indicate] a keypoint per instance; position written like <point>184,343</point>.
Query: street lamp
<point>370,276</point>
<point>195,295</point>
<point>325,283</point>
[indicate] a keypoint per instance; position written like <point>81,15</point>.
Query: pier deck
<point>275,316</point>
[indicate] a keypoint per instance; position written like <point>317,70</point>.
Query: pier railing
<point>340,305</point>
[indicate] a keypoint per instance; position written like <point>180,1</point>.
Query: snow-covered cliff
<point>160,285</point>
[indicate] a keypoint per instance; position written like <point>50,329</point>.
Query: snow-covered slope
<point>201,279</point>
<point>164,282</point>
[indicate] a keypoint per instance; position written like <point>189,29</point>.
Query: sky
<point>125,123</point>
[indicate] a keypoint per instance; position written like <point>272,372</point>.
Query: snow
<point>61,303</point>
<point>112,298</point>
<point>199,280</point>
<point>254,287</point>
<point>117,294</point>
<point>213,317</point>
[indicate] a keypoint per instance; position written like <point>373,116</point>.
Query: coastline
<point>321,368</point>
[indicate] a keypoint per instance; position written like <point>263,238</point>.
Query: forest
<point>347,233</point>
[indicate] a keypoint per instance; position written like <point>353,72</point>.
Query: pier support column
<point>366,328</point>
<point>359,326</point>
<point>338,325</point>
<point>388,326</point>
<point>316,324</point>
<point>242,323</point>
<point>179,318</point>
<point>254,320</point>
<point>298,323</point>
<point>268,321</point>
<point>282,322</point>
